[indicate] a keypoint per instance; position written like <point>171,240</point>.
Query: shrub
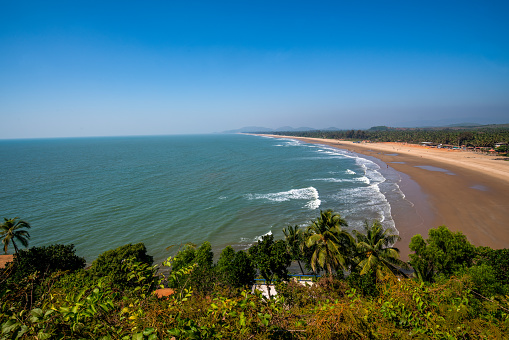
<point>45,260</point>
<point>235,269</point>
<point>444,252</point>
<point>202,277</point>
<point>111,262</point>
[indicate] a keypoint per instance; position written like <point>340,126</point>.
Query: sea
<point>229,189</point>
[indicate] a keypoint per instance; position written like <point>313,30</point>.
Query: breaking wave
<point>310,194</point>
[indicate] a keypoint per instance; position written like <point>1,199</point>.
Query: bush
<point>496,258</point>
<point>235,269</point>
<point>271,259</point>
<point>45,260</point>
<point>365,284</point>
<point>111,262</point>
<point>484,280</point>
<point>202,277</point>
<point>443,252</point>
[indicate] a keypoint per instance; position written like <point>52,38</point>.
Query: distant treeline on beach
<point>487,137</point>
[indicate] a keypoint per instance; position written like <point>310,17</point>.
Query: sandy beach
<point>464,191</point>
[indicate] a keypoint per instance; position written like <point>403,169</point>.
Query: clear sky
<point>104,68</point>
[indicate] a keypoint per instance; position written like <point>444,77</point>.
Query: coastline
<point>464,191</point>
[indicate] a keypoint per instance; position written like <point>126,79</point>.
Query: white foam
<point>332,180</point>
<point>363,179</point>
<point>259,238</point>
<point>310,194</point>
<point>291,142</point>
<point>249,242</point>
<point>350,172</point>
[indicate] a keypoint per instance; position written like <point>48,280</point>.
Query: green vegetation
<point>375,252</point>
<point>458,291</point>
<point>11,233</point>
<point>112,262</point>
<point>331,245</point>
<point>445,252</point>
<point>483,136</point>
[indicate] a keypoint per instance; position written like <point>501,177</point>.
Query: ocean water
<point>101,193</point>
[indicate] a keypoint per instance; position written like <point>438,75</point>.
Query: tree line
<point>485,137</point>
<point>448,289</point>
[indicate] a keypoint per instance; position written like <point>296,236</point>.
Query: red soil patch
<point>164,292</point>
<point>4,259</point>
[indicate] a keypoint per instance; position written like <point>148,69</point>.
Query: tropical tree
<point>376,253</point>
<point>271,258</point>
<point>295,243</point>
<point>443,252</point>
<point>235,269</point>
<point>11,232</point>
<point>331,245</point>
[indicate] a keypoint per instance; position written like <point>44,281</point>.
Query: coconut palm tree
<point>10,231</point>
<point>331,245</point>
<point>375,251</point>
<point>295,243</point>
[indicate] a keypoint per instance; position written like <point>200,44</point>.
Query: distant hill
<point>457,126</point>
<point>464,125</point>
<point>249,129</point>
<point>289,128</point>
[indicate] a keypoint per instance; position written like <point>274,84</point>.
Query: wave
<point>310,194</point>
<point>247,242</point>
<point>362,179</point>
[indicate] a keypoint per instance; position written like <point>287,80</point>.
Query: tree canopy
<point>11,232</point>
<point>443,252</point>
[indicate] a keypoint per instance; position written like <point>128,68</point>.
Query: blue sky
<point>102,68</point>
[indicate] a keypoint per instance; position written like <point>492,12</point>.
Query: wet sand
<point>462,190</point>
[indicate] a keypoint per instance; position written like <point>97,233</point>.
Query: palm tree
<point>331,245</point>
<point>10,232</point>
<point>295,243</point>
<point>375,251</point>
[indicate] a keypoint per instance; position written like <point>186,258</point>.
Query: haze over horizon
<point>74,69</point>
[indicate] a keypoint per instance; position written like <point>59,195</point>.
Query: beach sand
<point>4,259</point>
<point>464,191</point>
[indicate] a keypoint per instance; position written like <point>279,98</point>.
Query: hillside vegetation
<point>361,289</point>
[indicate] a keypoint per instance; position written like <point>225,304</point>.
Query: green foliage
<point>301,294</point>
<point>484,280</point>
<point>478,137</point>
<point>45,260</point>
<point>235,269</point>
<point>110,263</point>
<point>331,246</point>
<point>10,232</point>
<point>498,259</point>
<point>83,305</point>
<point>365,284</point>
<point>503,149</point>
<point>444,252</point>
<point>202,277</point>
<point>296,243</point>
<point>271,258</point>
<point>375,251</point>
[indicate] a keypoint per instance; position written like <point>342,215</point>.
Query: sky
<point>107,68</point>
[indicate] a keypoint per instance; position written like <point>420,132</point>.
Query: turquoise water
<point>101,193</point>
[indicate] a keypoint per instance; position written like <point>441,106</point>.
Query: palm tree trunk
<point>15,247</point>
<point>302,270</point>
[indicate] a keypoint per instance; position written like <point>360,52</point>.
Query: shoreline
<point>464,191</point>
